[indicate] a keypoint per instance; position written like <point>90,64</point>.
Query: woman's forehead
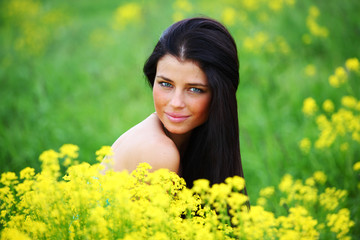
<point>172,68</point>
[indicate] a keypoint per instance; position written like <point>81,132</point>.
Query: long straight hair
<point>213,150</point>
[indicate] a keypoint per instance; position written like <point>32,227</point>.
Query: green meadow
<point>71,72</point>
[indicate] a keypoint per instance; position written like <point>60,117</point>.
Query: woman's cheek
<point>204,108</point>
<point>159,97</point>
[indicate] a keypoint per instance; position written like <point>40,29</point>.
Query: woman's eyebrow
<point>165,78</point>
<point>189,84</point>
<point>198,84</point>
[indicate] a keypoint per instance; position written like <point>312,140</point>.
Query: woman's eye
<point>196,90</point>
<point>165,84</point>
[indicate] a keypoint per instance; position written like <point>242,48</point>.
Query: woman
<point>194,74</point>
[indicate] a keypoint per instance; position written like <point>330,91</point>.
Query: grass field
<point>71,72</point>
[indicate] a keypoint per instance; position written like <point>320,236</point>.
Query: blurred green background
<point>71,72</point>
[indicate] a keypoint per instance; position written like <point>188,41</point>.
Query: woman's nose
<point>177,100</point>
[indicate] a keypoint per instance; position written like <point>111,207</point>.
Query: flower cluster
<point>256,38</point>
<point>310,70</point>
<point>261,41</point>
<point>343,124</point>
<point>309,106</point>
<point>85,204</point>
<point>340,77</point>
<point>35,24</point>
<point>314,28</point>
<point>310,205</point>
<point>127,14</point>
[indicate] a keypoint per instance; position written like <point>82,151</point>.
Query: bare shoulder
<point>162,153</point>
<point>145,142</point>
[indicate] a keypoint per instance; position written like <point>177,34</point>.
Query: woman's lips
<point>177,118</point>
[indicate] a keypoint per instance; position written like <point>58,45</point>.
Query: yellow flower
<point>320,177</point>
<point>177,16</point>
<point>305,145</point>
<point>328,106</point>
<point>309,106</point>
<point>104,151</point>
<point>275,5</point>
<point>69,150</point>
<point>261,201</point>
<point>310,70</point>
<point>358,106</point>
<point>249,44</point>
<point>314,11</point>
<point>157,205</point>
<point>126,14</point>
<point>340,223</point>
<point>297,225</point>
<point>20,8</point>
<point>356,166</point>
<point>27,173</point>
<point>334,81</point>
<point>67,162</point>
<point>236,200</point>
<point>341,74</point>
<point>349,101</point>
<point>13,233</point>
<point>352,64</point>
<point>228,16</point>
<point>331,198</point>
<point>50,163</point>
<point>219,191</point>
<point>49,156</point>
<point>290,2</point>
<point>236,182</point>
<point>267,192</point>
<point>261,38</point>
<point>322,122</point>
<point>250,5</point>
<point>183,5</point>
<point>326,139</point>
<point>310,181</point>
<point>201,185</point>
<point>314,28</point>
<point>8,178</point>
<point>356,136</point>
<point>35,22</point>
<point>286,183</point>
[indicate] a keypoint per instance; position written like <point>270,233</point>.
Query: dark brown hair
<point>213,152</point>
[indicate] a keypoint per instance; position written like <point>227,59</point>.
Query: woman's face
<point>181,95</point>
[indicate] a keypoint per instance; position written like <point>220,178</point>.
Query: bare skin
<point>145,142</point>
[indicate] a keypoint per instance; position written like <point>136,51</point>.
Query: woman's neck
<point>180,140</point>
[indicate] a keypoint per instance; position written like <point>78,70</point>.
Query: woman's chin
<point>177,131</point>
